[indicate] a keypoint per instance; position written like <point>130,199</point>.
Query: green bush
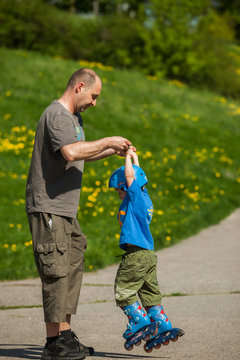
<point>188,41</point>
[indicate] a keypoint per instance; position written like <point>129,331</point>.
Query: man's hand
<point>119,143</point>
<point>125,152</point>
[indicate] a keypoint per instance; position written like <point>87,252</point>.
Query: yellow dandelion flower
<point>177,83</point>
<point>160,212</point>
<point>90,267</point>
<point>11,225</point>
<point>13,247</point>
<point>152,77</point>
<point>195,118</point>
<point>217,174</point>
<point>88,204</point>
<point>5,246</point>
<point>117,236</point>
<point>154,186</point>
<point>92,172</point>
<point>168,238</point>
<point>8,93</point>
<point>7,116</point>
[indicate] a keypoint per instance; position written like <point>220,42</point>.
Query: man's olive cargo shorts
<point>58,246</point>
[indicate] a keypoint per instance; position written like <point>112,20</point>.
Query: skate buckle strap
<point>127,311</point>
<point>129,327</point>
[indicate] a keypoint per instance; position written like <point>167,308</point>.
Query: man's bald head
<point>87,76</point>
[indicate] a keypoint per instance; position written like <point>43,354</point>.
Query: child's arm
<point>135,158</point>
<point>129,172</point>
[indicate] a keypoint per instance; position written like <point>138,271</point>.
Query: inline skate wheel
<point>174,339</point>
<point>166,342</point>
<point>128,347</point>
<point>146,349</point>
<point>138,343</point>
<point>157,346</point>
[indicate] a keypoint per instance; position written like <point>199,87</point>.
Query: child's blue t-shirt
<point>135,215</point>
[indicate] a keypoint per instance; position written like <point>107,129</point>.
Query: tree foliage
<point>186,40</point>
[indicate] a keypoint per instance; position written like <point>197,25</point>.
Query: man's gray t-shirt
<point>54,184</point>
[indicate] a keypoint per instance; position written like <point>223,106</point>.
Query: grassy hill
<point>188,143</point>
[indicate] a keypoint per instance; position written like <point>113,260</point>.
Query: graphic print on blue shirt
<point>135,214</point>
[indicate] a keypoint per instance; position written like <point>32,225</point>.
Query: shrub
<point>189,42</point>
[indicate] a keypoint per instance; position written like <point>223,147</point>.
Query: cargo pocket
<point>46,259</point>
<point>53,259</point>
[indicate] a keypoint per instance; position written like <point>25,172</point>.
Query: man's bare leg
<point>53,328</point>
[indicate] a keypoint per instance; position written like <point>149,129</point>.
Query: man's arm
<point>102,155</point>
<point>83,150</point>
<point>107,153</point>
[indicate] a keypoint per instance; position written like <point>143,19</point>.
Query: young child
<point>137,273</point>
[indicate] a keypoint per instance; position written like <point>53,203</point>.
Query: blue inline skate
<point>165,332</point>
<point>139,326</point>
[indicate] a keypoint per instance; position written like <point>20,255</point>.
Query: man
<point>52,200</point>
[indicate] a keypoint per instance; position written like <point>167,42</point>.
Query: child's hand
<point>130,152</point>
<point>133,148</point>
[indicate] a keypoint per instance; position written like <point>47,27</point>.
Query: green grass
<point>188,143</point>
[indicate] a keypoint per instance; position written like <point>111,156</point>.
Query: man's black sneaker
<point>89,351</point>
<point>62,349</point>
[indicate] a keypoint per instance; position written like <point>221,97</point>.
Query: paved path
<point>205,268</point>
